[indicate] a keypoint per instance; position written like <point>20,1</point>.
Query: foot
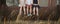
<point>29,15</point>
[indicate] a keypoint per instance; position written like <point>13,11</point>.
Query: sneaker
<point>29,15</point>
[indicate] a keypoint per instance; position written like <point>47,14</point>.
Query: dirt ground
<point>31,22</point>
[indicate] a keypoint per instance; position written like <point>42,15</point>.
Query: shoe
<point>29,15</point>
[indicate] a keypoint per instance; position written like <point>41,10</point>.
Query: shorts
<point>28,5</point>
<point>20,5</point>
<point>35,5</point>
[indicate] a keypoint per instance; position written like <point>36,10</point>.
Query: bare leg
<point>19,14</point>
<point>21,10</point>
<point>27,10</point>
<point>34,11</point>
<point>37,11</point>
<point>30,9</point>
<point>4,20</point>
<point>24,10</point>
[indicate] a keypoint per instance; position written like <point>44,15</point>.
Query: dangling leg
<point>27,10</point>
<point>33,10</point>
<point>37,11</point>
<point>30,10</point>
<point>20,11</point>
<point>24,10</point>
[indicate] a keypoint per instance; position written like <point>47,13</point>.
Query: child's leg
<point>24,10</point>
<point>33,10</point>
<point>20,10</point>
<point>30,9</point>
<point>37,11</point>
<point>27,10</point>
